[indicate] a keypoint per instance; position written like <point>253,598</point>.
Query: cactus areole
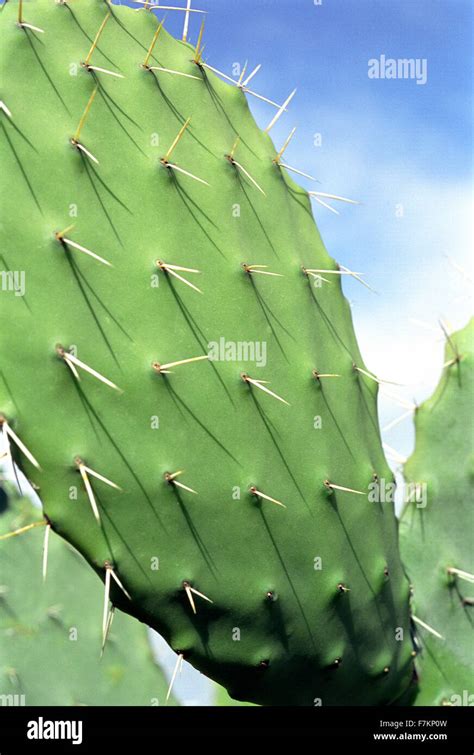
<point>151,218</point>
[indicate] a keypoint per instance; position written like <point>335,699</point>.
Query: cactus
<point>50,633</point>
<point>223,700</point>
<point>436,540</point>
<point>234,512</point>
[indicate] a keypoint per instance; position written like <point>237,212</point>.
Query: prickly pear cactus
<point>222,699</point>
<point>436,539</point>
<point>234,511</point>
<point>50,633</point>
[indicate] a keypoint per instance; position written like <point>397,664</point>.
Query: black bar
<point>143,728</point>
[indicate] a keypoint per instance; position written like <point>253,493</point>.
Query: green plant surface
<point>437,538</point>
<point>50,633</point>
<point>308,599</point>
<point>223,699</point>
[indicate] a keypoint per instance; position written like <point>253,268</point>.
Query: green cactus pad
<point>50,634</point>
<point>438,537</point>
<point>223,700</point>
<point>339,632</point>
